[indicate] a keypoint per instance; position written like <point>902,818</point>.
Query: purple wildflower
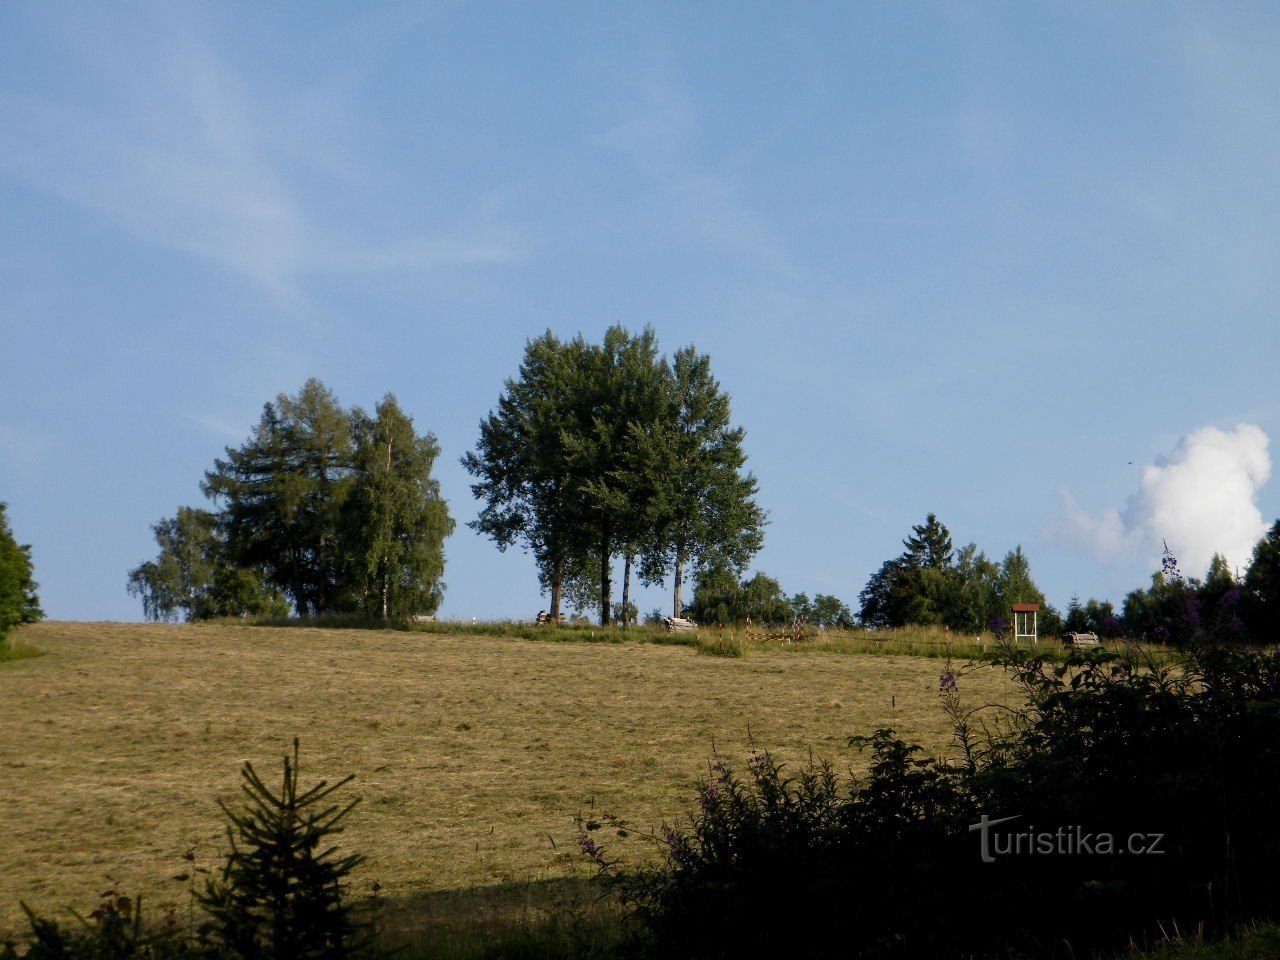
<point>947,682</point>
<point>1169,565</point>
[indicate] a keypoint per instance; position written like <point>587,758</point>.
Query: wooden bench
<point>1080,639</point>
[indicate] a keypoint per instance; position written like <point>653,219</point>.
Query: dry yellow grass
<point>473,754</point>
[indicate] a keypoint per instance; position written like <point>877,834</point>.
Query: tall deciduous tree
<point>334,510</point>
<point>875,602</point>
<point>719,597</point>
<point>193,575</point>
<point>396,520</point>
<point>18,601</point>
<point>708,501</point>
<point>617,459</point>
<point>596,451</point>
<point>526,457</point>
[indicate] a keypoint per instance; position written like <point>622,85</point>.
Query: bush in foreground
<point>1124,799</point>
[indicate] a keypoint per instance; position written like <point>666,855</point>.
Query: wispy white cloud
<point>1201,499</point>
<point>168,138</point>
<point>659,129</point>
<point>219,427</point>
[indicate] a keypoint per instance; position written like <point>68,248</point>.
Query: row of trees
<point>931,583</point>
<point>322,509</point>
<point>18,600</point>
<point>603,451</point>
<point>1223,607</point>
<point>720,596</point>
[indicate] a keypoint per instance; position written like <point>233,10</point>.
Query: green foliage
<point>523,462</point>
<point>711,517</point>
<point>890,865</point>
<point>1262,587</point>
<point>823,611</point>
<point>18,601</point>
<point>1182,610</point>
<point>599,451</point>
<point>194,575</point>
<point>113,931</point>
<point>280,894</point>
<point>719,597</point>
<point>282,494</point>
<point>929,545</point>
<point>333,510</point>
<point>930,584</point>
<point>1092,617</point>
<point>396,521</point>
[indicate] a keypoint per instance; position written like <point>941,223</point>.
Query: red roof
<point>1026,608</point>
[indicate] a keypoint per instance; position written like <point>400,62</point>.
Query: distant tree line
<point>600,452</point>
<point>932,584</point>
<point>18,601</point>
<point>1223,607</point>
<point>720,596</point>
<point>322,510</point>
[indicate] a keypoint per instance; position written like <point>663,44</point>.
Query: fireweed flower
<point>947,682</point>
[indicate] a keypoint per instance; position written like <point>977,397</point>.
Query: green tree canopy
<point>929,545</point>
<point>931,584</point>
<point>708,501</point>
<point>1262,588</point>
<point>396,521</point>
<point>720,597</point>
<point>193,575</point>
<point>332,509</point>
<point>281,496</point>
<point>824,611</point>
<point>599,451</point>
<point>526,457</point>
<point>18,601</point>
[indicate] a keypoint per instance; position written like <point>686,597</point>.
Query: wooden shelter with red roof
<point>1026,622</point>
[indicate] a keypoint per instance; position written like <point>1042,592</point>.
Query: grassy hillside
<point>473,754</point>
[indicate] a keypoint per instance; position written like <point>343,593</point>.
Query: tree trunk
<point>679,580</point>
<point>299,591</point>
<point>606,584</point>
<point>386,577</point>
<point>557,587</point>
<point>626,592</point>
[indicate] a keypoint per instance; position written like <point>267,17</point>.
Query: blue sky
<point>1011,263</point>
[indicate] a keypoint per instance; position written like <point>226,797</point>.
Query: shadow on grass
<point>568,917</point>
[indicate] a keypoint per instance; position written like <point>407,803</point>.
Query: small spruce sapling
<point>280,893</point>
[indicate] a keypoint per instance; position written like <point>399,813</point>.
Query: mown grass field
<point>473,753</point>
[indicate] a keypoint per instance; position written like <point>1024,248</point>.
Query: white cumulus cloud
<point>1201,499</point>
